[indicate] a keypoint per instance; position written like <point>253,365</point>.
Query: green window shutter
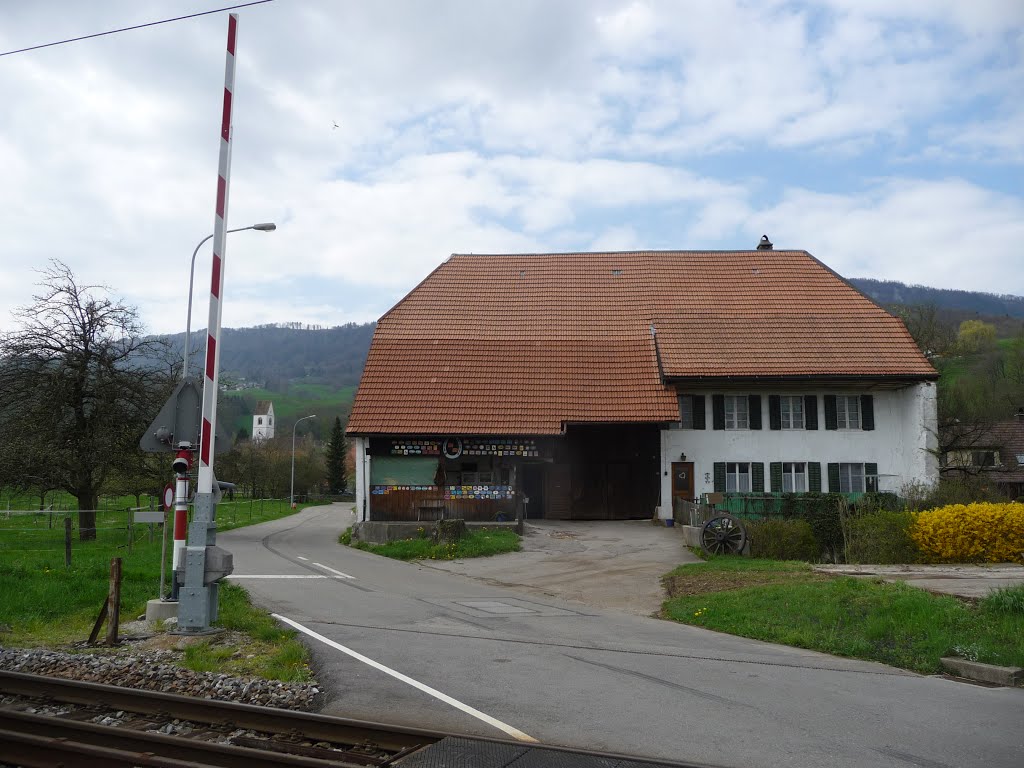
<point>719,477</point>
<point>774,412</point>
<point>833,478</point>
<point>867,412</point>
<point>871,477</point>
<point>775,473</point>
<point>718,411</point>
<point>755,411</point>
<point>699,418</point>
<point>757,477</point>
<point>831,416</point>
<point>814,476</point>
<point>811,411</point>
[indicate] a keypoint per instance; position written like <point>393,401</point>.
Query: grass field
<point>43,603</point>
<point>474,544</point>
<point>786,602</point>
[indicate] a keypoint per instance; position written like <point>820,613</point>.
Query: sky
<point>886,137</point>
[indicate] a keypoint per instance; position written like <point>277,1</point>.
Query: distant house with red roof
<point>993,451</point>
<point>604,385</point>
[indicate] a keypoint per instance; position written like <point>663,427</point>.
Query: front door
<point>682,482</point>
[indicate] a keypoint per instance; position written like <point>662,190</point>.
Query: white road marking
<point>505,727</point>
<point>302,558</point>
<point>273,576</point>
<point>336,573</point>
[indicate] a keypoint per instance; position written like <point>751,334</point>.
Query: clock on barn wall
<point>452,448</point>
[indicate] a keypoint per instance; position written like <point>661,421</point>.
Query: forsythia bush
<point>971,533</point>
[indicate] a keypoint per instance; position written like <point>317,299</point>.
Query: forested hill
<point>888,292</point>
<point>273,355</point>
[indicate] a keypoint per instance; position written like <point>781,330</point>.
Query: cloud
<point>947,234</point>
<point>869,132</point>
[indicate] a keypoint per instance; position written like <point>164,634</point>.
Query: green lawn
<point>786,602</point>
<point>42,603</point>
<point>474,544</point>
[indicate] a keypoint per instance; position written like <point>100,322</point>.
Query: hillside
<point>275,355</point>
<point>887,292</point>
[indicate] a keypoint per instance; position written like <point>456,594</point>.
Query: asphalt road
<point>405,644</point>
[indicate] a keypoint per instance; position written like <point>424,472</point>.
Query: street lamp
<point>264,227</point>
<point>291,497</point>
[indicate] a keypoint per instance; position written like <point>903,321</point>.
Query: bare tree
<point>77,385</point>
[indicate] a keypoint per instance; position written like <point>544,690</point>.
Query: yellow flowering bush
<point>971,533</point>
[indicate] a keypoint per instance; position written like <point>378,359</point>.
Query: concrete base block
<point>986,673</point>
<point>161,610</point>
<point>691,535</point>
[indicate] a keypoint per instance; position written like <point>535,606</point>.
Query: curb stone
<point>987,673</point>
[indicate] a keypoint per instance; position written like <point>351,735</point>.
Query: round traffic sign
<point>168,496</point>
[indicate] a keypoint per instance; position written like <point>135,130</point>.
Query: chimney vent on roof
<point>765,244</point>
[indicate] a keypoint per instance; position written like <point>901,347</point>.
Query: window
<point>737,413</point>
<point>686,412</point>
<point>984,458</point>
<point>848,411</point>
<point>259,420</point>
<point>794,477</point>
<point>854,478</point>
<point>791,408</point>
<point>967,459</point>
<point>737,477</point>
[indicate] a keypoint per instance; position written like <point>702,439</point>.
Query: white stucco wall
<point>902,442</point>
<point>362,477</point>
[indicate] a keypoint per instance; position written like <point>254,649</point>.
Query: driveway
<point>615,564</point>
<point>971,581</point>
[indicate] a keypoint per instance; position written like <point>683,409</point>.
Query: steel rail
<point>134,743</point>
<point>310,725</point>
<point>33,751</point>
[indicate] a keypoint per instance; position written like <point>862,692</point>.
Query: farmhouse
<point>606,385</point>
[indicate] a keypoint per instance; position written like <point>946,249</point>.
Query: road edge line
<point>492,721</point>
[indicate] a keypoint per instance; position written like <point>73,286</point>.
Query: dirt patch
<point>699,582</point>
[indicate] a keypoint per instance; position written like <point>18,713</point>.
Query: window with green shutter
<point>774,412</point>
<point>775,474</point>
<point>814,476</point>
<point>867,412</point>
<point>757,477</point>
<point>754,410</point>
<point>718,411</point>
<point>810,411</point>
<point>833,478</point>
<point>831,418</point>
<point>719,477</point>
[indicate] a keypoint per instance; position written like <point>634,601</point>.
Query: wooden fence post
<point>114,601</point>
<point>67,541</point>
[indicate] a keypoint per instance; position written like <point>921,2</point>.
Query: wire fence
<point>53,531</point>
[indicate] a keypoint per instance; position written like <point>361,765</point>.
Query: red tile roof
<point>500,344</point>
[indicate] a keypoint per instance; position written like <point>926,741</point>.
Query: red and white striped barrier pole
<point>197,605</point>
<point>205,483</point>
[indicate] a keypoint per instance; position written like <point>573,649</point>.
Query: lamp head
<point>268,226</point>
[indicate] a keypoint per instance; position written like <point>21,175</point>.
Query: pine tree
<point>337,451</point>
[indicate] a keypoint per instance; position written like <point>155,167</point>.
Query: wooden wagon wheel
<point>723,535</point>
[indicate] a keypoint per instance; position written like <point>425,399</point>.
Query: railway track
<point>89,724</point>
<point>47,722</point>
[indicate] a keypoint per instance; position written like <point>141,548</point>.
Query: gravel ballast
<point>153,671</point>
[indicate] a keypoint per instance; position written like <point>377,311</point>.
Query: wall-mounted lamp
<point>682,457</point>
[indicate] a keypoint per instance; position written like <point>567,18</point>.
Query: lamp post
<point>291,497</point>
<point>264,227</point>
